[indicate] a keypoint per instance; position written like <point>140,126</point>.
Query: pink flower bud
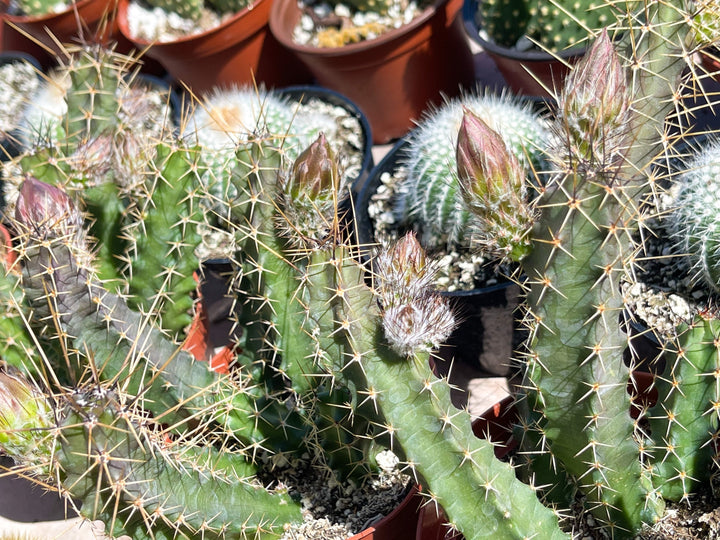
<point>596,103</point>
<point>486,168</point>
<point>492,182</point>
<point>46,210</point>
<point>314,173</point>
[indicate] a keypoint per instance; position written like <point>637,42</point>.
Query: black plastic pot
<point>488,332</point>
<point>527,73</point>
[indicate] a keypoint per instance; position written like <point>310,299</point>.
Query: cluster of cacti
<point>158,445</point>
<point>553,24</point>
<point>430,198</point>
<point>110,142</point>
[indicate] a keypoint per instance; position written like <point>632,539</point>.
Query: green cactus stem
<point>684,422</point>
<point>97,330</point>
<point>460,471</point>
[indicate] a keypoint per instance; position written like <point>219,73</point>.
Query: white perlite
<point>18,81</point>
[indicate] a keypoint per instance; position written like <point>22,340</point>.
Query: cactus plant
<point>552,24</point>
<point>40,7</point>
<point>331,367</point>
<point>693,215</point>
<point>430,198</point>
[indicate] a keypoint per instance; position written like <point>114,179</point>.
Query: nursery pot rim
<point>396,37</point>
<point>122,21</point>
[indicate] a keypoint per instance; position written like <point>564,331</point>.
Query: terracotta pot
<point>527,73</point>
<point>90,20</point>
<point>239,51</point>
<point>395,77</point>
<point>400,524</point>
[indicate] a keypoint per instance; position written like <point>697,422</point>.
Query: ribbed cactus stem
<point>97,326</point>
<point>91,98</point>
<point>683,423</point>
<point>480,495</point>
<point>576,377</point>
<point>163,237</point>
<point>145,488</point>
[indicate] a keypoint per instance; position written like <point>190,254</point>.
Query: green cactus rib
<point>659,58</point>
<point>576,375</point>
<point>91,101</point>
<point>36,7</point>
<point>121,344</point>
<point>140,488</point>
<point>684,421</point>
<point>162,239</point>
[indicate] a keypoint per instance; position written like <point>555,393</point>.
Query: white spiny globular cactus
<point>695,217</point>
<point>430,198</point>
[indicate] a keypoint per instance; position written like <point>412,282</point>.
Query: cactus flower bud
<point>314,173</point>
<point>46,210</point>
<point>492,183</point>
<point>414,316</point>
<point>25,417</point>
<point>595,105</point>
<point>311,193</point>
<point>403,271</point>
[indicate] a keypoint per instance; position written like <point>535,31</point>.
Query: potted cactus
<point>331,367</point>
<point>532,43</point>
<point>395,73</point>
<point>228,42</point>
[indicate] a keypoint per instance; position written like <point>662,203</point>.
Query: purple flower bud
<point>46,210</point>
<point>486,168</point>
<point>403,271</point>
<point>492,183</point>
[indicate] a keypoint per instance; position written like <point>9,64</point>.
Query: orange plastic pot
<point>87,20</point>
<point>395,77</point>
<point>239,51</point>
<point>400,524</point>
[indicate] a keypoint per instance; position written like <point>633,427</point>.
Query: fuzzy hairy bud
<point>492,183</point>
<point>47,212</point>
<point>25,418</point>
<point>415,317</point>
<point>311,193</point>
<point>595,106</point>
